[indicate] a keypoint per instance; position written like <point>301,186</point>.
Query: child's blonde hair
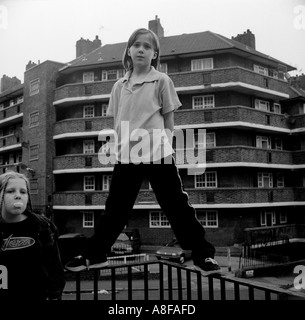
<point>127,62</point>
<point>4,178</point>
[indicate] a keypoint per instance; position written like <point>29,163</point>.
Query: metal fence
<point>171,281</point>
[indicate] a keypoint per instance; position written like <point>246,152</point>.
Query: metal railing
<point>169,281</point>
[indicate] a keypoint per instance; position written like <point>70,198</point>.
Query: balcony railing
<point>232,114</point>
<point>174,282</point>
<point>84,125</point>
<point>214,155</point>
<point>217,196</point>
<point>231,76</point>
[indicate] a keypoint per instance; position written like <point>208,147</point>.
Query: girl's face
<point>15,200</point>
<point>142,51</point>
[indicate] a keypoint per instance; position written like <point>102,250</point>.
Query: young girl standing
<point>28,245</point>
<point>145,99</point>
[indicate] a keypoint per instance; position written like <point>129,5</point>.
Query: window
<point>88,146</point>
<point>34,119</point>
<point>88,76</point>
<point>273,73</point>
<point>89,183</point>
<point>268,218</point>
<point>34,186</point>
<point>33,154</point>
<point>11,158</point>
<point>210,140</point>
<point>108,75</point>
<point>283,217</point>
<point>202,102</point>
<point>276,108</point>
<point>262,105</point>
<point>265,180</point>
<point>202,64</point>
<point>106,182</point>
<point>88,219</point>
<point>263,142</point>
<point>88,111</point>
<point>278,144</point>
<point>157,219</point>
<point>163,67</point>
<point>280,180</point>
<point>104,110</point>
<point>261,70</point>
<point>34,87</point>
<point>208,218</point>
<point>206,180</point>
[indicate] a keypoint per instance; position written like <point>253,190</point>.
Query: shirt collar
<point>152,75</point>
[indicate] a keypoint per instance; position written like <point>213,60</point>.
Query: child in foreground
<point>145,99</point>
<point>28,245</point>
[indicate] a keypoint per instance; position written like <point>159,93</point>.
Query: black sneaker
<point>209,266</point>
<point>80,263</point>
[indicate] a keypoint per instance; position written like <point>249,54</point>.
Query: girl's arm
<point>169,125</point>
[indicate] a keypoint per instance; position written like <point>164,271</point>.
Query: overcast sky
<point>48,29</point>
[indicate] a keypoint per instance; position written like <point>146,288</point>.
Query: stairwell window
<point>34,119</point>
<point>34,87</point>
<point>202,64</point>
<point>203,102</point>
<point>33,154</point>
<point>157,219</point>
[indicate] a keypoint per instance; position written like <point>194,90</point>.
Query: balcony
<point>10,142</point>
<point>70,93</point>
<point>11,114</point>
<point>236,78</point>
<point>78,162</point>
<point>230,155</point>
<point>218,197</point>
<point>80,125</point>
<point>233,115</point>
<point>239,155</point>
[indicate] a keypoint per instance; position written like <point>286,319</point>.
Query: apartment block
<point>253,117</point>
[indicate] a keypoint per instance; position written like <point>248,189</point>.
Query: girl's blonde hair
<point>4,178</point>
<point>127,62</point>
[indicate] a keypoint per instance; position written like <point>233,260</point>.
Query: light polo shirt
<point>138,117</point>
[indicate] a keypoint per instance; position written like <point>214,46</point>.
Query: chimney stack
<point>247,38</point>
<point>30,64</point>
<point>8,83</point>
<point>85,46</point>
<point>156,27</point>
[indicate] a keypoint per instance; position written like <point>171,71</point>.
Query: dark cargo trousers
<point>173,200</point>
